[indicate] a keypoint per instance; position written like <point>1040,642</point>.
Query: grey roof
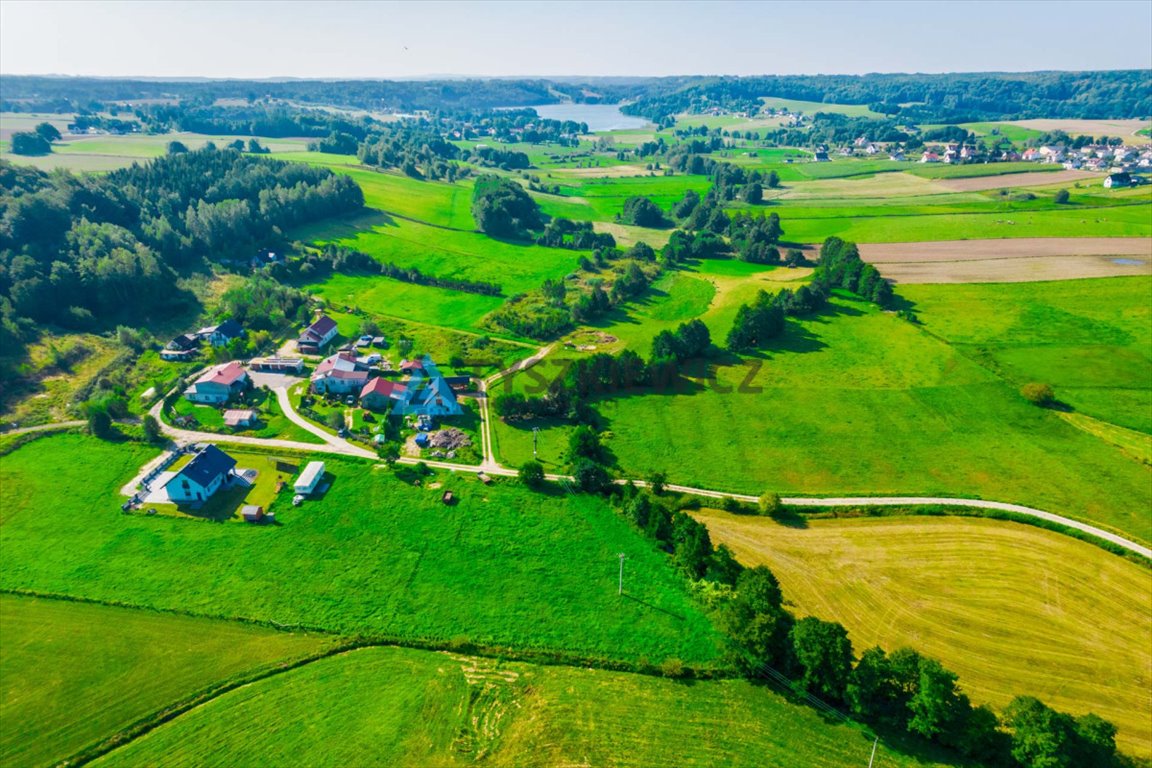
<point>207,465</point>
<point>230,329</point>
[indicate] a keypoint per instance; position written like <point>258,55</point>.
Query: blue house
<point>426,393</point>
<point>200,478</point>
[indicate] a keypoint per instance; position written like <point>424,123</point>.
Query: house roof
<point>226,374</point>
<point>183,342</point>
<point>381,386</point>
<point>338,374</point>
<point>206,466</point>
<point>235,416</point>
<point>230,328</point>
<point>322,326</point>
<point>411,365</point>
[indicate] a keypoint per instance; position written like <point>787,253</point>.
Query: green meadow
<point>1090,339</point>
<point>415,708</point>
<point>855,402</point>
<point>376,556</point>
<point>72,674</point>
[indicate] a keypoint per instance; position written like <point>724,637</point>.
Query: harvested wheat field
<point>1125,129</point>
<point>603,172</point>
<point>1011,608</point>
<point>1010,261</point>
<point>1012,180</point>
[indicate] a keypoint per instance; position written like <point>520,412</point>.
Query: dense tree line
<point>950,98</point>
<point>414,148</point>
<point>642,212</point>
<point>337,258</point>
<point>840,266</point>
<point>578,235</point>
<point>85,252</point>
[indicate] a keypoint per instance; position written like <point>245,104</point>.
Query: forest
<point>86,252</point>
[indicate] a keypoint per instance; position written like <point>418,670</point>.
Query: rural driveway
<point>44,427</point>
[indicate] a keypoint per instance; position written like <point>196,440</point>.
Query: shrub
<point>672,668</point>
<point>770,504</point>
<point>1062,196</point>
<point>532,474</point>
<point>1038,393</point>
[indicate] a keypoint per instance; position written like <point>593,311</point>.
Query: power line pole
<point>620,590</point>
<point>535,433</point>
<point>874,744</point>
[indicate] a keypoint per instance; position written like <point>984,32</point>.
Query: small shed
<point>240,417</point>
<point>484,478</point>
<point>252,513</point>
<point>448,498</point>
<point>309,478</point>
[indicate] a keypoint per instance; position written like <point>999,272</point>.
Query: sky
<point>368,39</point>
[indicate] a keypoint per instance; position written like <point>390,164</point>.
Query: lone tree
<point>48,132</point>
<point>151,428</point>
<point>770,503</point>
<point>1038,393</point>
<point>335,420</point>
<point>389,452</point>
<point>100,423</point>
<point>1062,196</point>
<point>532,474</point>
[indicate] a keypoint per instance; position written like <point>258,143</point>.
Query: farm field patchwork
<point>417,708</point>
<point>74,673</point>
<point>375,556</point>
<point>1012,609</point>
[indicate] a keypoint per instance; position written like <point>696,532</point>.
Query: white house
<point>315,336</point>
<point>200,478</point>
<point>309,478</point>
<point>339,374</point>
<point>220,335</point>
<point>219,384</point>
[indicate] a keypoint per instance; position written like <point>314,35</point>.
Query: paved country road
<point>335,445</point>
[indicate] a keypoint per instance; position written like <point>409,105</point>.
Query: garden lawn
<point>73,673</point>
<point>375,556</point>
<point>1012,609</point>
<point>415,708</point>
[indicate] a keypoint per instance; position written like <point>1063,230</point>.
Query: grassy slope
<point>1012,609</point>
<point>857,401</point>
<point>414,708</point>
<point>71,673</point>
<point>376,556</point>
<point>1091,340</point>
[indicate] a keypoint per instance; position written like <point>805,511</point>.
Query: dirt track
<point>1011,180</point>
<point>1010,261</point>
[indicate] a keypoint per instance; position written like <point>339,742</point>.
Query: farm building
<point>240,418</point>
<point>277,364</point>
<point>820,156</point>
<point>340,374</point>
<point>378,393</point>
<point>219,384</point>
<point>220,335</point>
<point>200,478</point>
<point>316,336</point>
<point>1117,180</point>
<point>309,478</point>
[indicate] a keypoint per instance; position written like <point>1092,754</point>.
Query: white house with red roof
<point>339,374</point>
<point>315,336</point>
<point>219,384</point>
<point>379,393</point>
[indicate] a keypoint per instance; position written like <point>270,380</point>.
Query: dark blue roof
<point>207,465</point>
<point>230,329</point>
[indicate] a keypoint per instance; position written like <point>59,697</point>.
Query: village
<point>347,395</point>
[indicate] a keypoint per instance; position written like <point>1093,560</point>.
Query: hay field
<point>1012,180</point>
<point>1010,608</point>
<point>1125,129</point>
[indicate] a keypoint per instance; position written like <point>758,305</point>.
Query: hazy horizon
<point>362,40</point>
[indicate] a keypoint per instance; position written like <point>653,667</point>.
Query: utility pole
<point>874,744</point>
<point>535,433</point>
<point>620,590</point>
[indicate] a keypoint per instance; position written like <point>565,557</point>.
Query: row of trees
<point>578,235</point>
<point>38,141</point>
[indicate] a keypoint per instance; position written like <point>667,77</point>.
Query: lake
<point>600,117</point>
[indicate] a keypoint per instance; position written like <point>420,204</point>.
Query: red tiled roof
<point>323,325</point>
<point>381,386</point>
<point>227,374</point>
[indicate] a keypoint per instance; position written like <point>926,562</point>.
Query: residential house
<point>929,157</point>
<point>183,347</point>
<point>1116,180</point>
<point>951,154</point>
<point>316,336</point>
<point>221,335</point>
<point>820,156</point>
<point>378,393</point>
<point>1031,155</point>
<point>219,384</point>
<point>197,480</point>
<point>339,374</point>
<point>427,393</point>
<point>240,417</point>
<point>896,156</point>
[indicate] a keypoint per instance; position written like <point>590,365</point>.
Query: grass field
<point>1014,610</point>
<point>273,423</point>
<point>1091,340</point>
<point>74,673</point>
<point>857,401</point>
<point>812,107</point>
<point>376,556</point>
<point>415,708</point>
